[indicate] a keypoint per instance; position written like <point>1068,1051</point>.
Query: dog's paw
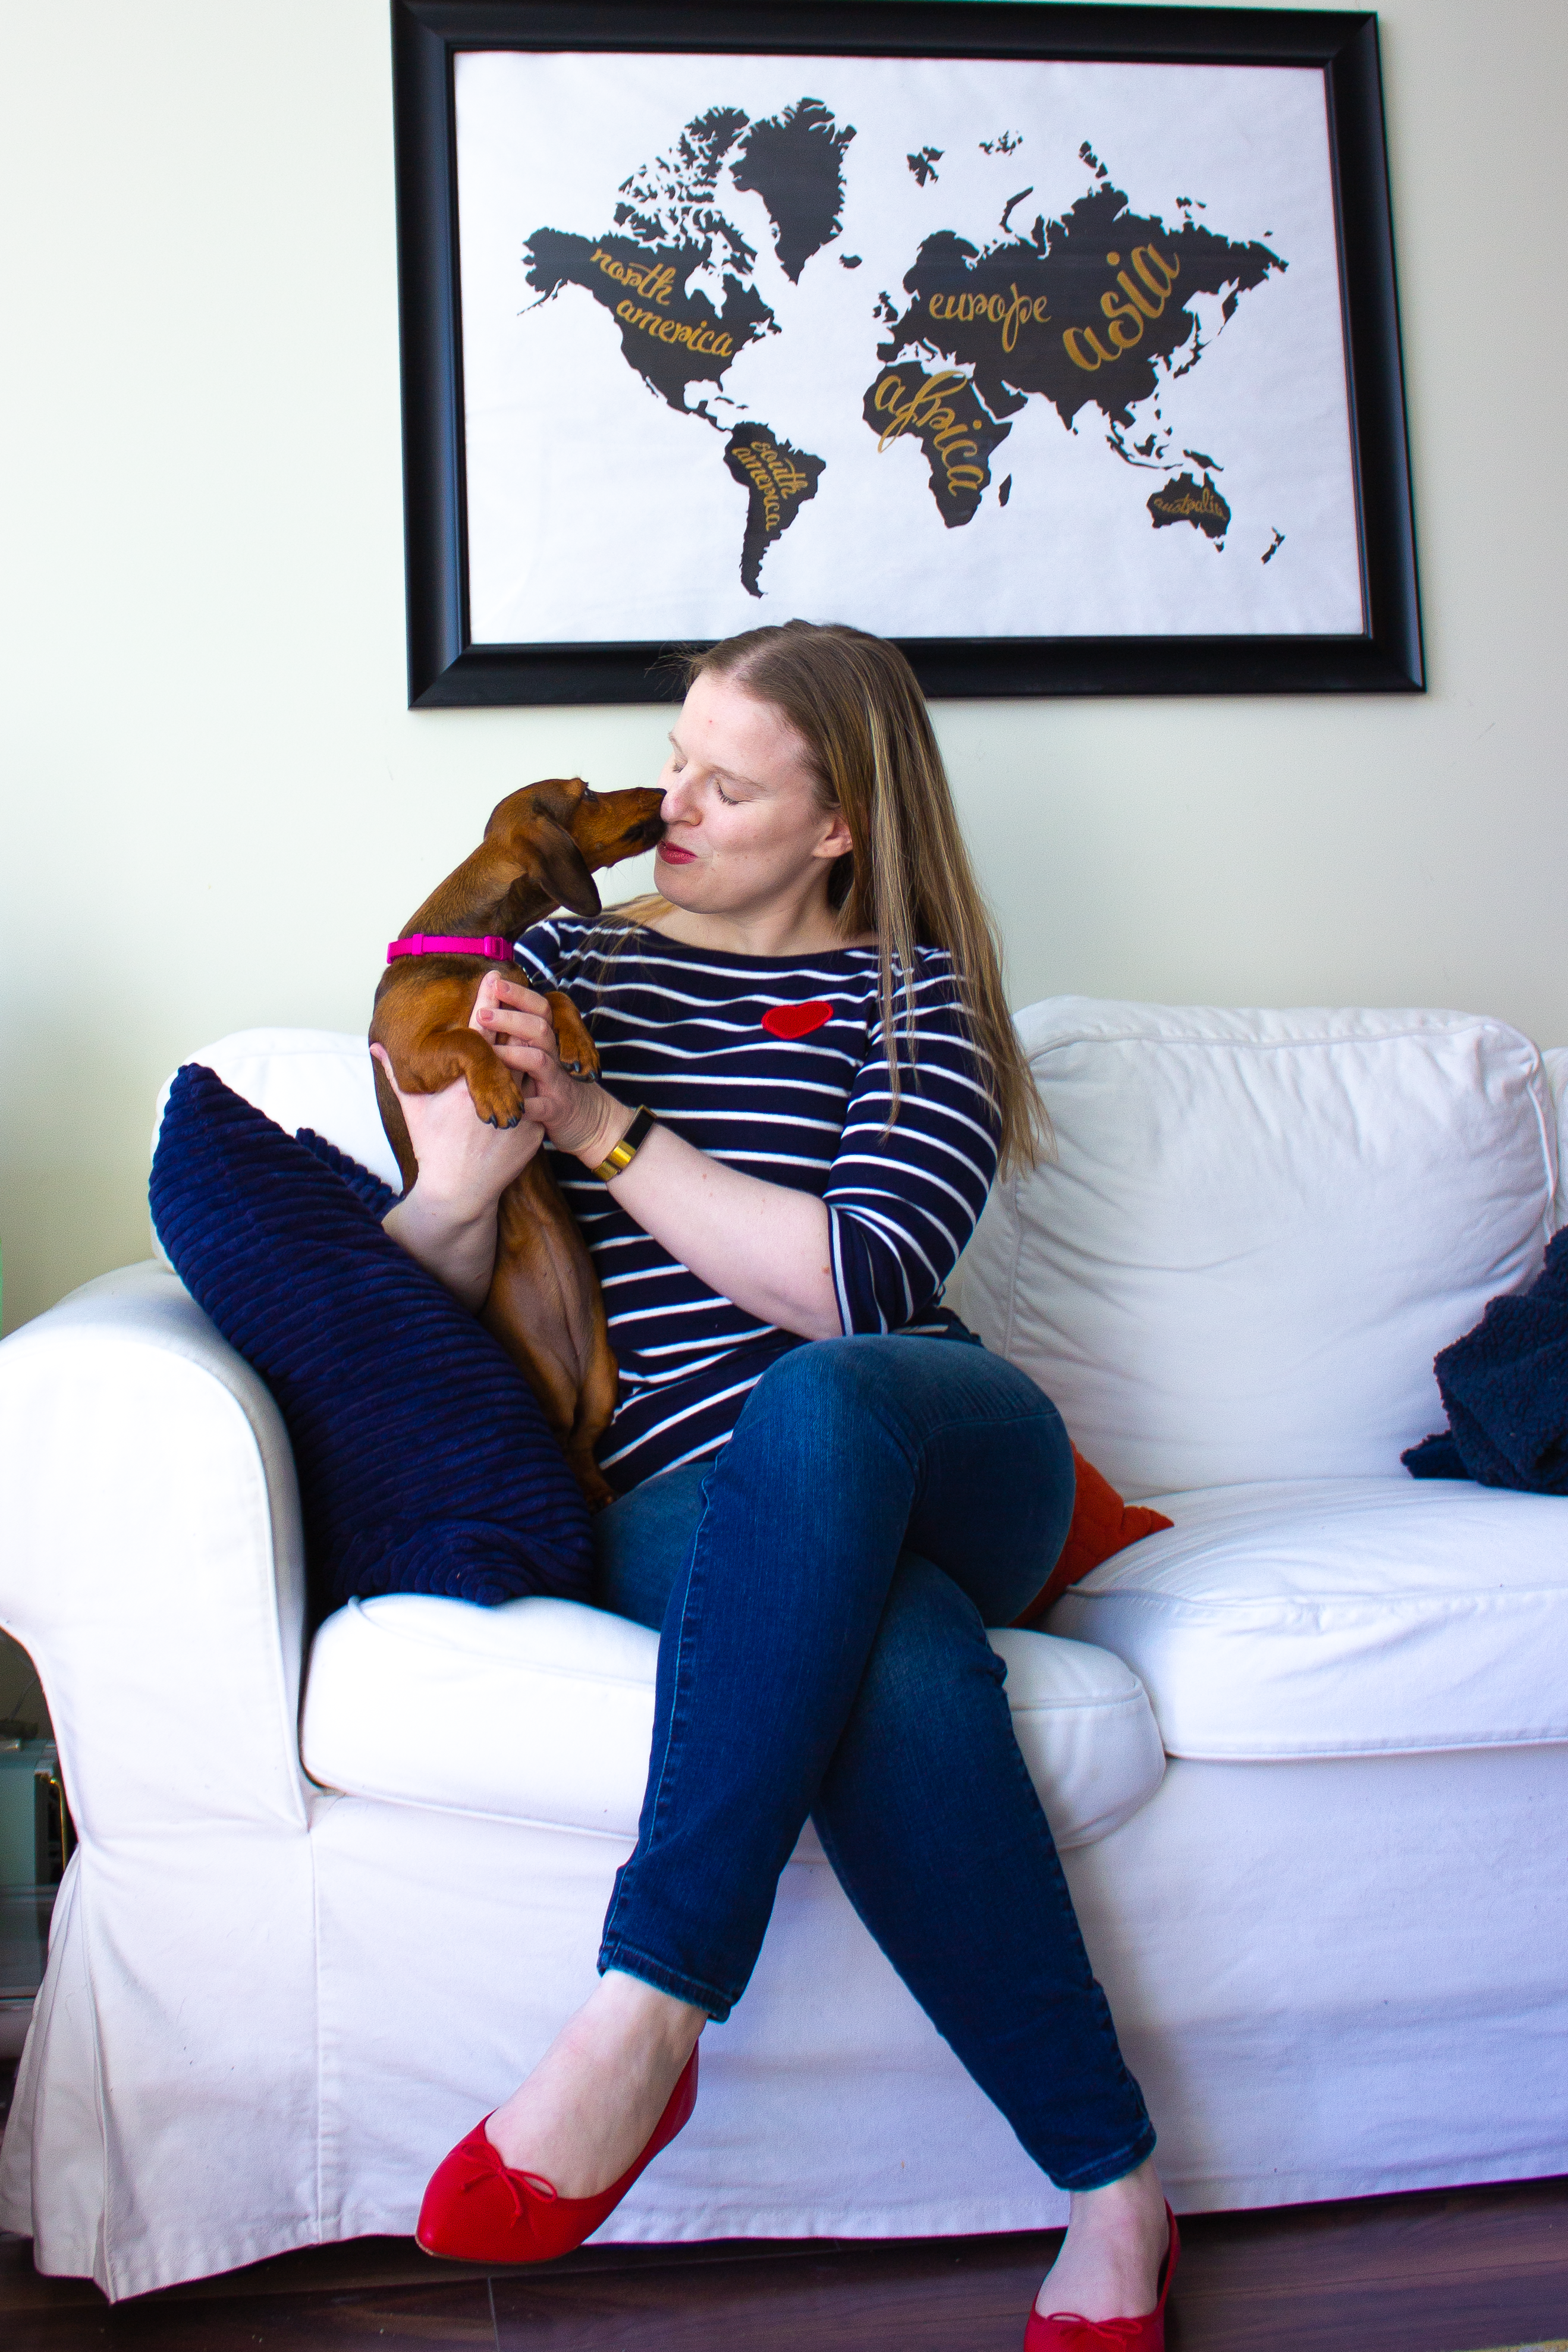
<point>497,1093</point>
<point>577,1054</point>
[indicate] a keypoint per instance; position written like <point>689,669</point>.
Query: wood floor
<point>1451,2271</point>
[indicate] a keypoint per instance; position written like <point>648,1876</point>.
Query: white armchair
<point>303,1946</point>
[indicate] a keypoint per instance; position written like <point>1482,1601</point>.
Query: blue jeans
<point>822,1591</point>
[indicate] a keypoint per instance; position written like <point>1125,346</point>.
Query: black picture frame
<point>446,669</point>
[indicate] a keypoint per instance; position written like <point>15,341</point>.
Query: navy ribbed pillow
<point>424,1462</point>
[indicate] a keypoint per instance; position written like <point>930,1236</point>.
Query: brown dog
<point>539,851</point>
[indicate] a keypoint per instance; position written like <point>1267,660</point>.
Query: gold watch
<point>617,1160</point>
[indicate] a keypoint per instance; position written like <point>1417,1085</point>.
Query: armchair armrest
<point>152,1560</point>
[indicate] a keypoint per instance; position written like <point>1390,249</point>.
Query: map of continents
<point>1087,311</point>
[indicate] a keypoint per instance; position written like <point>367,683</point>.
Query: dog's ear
<point>555,797</point>
<point>563,872</point>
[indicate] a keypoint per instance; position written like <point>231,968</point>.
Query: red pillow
<point>1102,1525</point>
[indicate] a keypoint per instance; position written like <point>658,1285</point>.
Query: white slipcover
<point>1330,1932</point>
<point>1260,1228</point>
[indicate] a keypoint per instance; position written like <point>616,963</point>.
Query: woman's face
<point>745,831</point>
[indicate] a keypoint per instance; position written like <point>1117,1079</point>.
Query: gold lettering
<point>758,459</point>
<point>1018,313</point>
<point>1119,313</point>
<point>1169,271</point>
<point>696,336</point>
<point>654,279</point>
<point>1201,502</point>
<point>926,411</point>
<point>1010,312</point>
<point>1125,283</point>
<point>1072,336</point>
<point>918,409</point>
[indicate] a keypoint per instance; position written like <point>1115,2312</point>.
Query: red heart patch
<point>797,1020</point>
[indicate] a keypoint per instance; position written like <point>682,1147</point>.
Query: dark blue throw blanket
<point>1506,1387</point>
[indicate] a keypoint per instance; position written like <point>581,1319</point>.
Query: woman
<point>816,995</point>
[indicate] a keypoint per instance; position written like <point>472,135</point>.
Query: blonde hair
<point>854,703</point>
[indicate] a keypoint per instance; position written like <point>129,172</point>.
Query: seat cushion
<point>1258,1229</point>
<point>542,1711</point>
<point>1341,1617</point>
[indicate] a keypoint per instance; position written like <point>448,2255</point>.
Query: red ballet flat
<point>477,2211</point>
<point>1064,2331</point>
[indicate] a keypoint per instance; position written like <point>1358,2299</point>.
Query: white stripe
<point>778,1082</point>
<point>746,1328</point>
<point>933,1133</point>
<point>848,1193</point>
<point>888,1231</point>
<point>673,1421</point>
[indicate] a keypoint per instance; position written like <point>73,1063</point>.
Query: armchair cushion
<point>424,1461</point>
<point>542,1713</point>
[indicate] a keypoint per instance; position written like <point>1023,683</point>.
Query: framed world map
<point>1059,344</point>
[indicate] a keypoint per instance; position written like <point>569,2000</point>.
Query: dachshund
<point>539,851</point>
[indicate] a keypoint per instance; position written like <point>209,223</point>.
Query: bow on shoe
<point>483,2164</point>
<point>1072,2333</point>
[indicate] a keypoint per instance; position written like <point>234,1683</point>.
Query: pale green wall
<point>216,806</point>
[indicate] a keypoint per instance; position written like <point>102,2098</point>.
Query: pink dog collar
<point>438,943</point>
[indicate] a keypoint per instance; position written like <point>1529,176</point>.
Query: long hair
<point>854,703</point>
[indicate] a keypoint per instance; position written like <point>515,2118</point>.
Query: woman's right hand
<point>447,1220</point>
<point>463,1160</point>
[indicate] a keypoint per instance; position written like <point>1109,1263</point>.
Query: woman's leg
<point>955,1445</point>
<point>929,1818</point>
<point>933,1827</point>
<point>931,1821</point>
<point>848,1452</point>
<point>931,1721</point>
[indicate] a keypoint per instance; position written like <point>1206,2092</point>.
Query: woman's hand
<point>577,1114</point>
<point>448,1219</point>
<point>763,1245</point>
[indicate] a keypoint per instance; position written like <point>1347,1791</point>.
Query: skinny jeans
<point>821,1590</point>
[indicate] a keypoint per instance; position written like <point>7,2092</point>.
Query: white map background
<point>597,512</point>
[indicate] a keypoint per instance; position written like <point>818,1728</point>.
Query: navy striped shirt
<point>682,1030</point>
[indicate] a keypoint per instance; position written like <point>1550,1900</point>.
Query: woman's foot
<point>593,2101</point>
<point>1117,2237</point>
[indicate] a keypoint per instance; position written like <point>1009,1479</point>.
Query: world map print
<point>1089,311</point>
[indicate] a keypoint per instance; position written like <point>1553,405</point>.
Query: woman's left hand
<point>577,1114</point>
